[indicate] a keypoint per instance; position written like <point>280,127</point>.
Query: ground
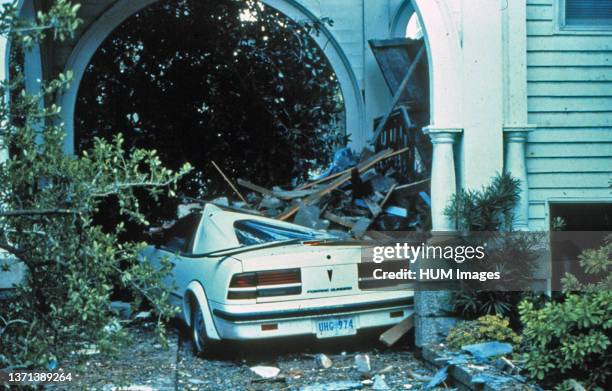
<point>146,365</point>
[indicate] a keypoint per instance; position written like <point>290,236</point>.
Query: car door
<point>177,245</point>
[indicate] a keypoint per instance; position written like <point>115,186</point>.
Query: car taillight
<point>244,280</point>
<point>265,284</point>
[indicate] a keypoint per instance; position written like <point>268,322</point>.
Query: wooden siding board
<point>539,12</point>
<point>569,73</point>
<point>569,58</point>
<point>560,149</point>
<point>565,103</point>
<point>539,27</point>
<point>547,194</point>
<point>571,119</point>
<point>569,135</point>
<point>573,165</point>
<point>559,180</point>
<point>573,88</point>
<point>570,42</point>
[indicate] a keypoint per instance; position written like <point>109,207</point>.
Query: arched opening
<point>237,83</point>
<point>102,27</point>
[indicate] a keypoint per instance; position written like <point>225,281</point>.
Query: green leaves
<point>52,199</point>
<point>570,339</point>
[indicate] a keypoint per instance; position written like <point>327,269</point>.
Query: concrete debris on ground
<point>362,362</point>
<point>323,361</point>
<point>265,371</point>
<point>379,383</point>
<point>353,197</point>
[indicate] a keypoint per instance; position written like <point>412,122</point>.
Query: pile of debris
<point>351,197</point>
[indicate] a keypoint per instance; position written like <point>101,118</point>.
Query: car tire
<point>199,338</point>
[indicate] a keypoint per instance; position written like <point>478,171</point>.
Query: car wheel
<point>198,331</point>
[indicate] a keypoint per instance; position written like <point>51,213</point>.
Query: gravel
<point>146,365</point>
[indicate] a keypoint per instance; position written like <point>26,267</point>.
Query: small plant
<point>489,210</point>
<point>484,329</point>
<point>570,341</point>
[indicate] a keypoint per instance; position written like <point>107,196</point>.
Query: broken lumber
<point>362,167</point>
<point>229,182</point>
<point>254,187</point>
<point>413,188</point>
<point>396,332</point>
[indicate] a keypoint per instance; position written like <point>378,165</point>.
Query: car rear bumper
<point>257,321</point>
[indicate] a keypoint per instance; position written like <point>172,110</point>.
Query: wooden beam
<point>396,332</point>
<point>413,188</point>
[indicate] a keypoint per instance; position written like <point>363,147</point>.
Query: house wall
<point>569,87</point>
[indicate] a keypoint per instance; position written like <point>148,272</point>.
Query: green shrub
<point>569,341</point>
<point>486,328</point>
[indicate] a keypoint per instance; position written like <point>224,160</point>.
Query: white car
<point>240,277</point>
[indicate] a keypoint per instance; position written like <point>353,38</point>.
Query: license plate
<point>335,327</point>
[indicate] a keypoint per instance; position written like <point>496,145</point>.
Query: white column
<point>443,177</point>
<point>515,165</point>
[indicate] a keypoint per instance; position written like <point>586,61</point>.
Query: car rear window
<point>250,232</point>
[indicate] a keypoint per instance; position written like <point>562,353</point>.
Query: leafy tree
<point>570,341</point>
<point>234,82</point>
<point>47,203</point>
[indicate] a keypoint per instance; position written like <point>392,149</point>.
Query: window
<point>179,238</point>
<point>585,14</point>
<point>251,232</point>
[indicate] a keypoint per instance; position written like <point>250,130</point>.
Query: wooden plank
<point>396,332</point>
<point>567,193</point>
<point>569,58</point>
<point>412,188</point>
<point>340,220</point>
<point>569,73</point>
<point>570,42</point>
<point>569,164</point>
<point>573,88</point>
<point>231,185</point>
<point>254,187</point>
<point>539,12</point>
<point>362,167</point>
<point>569,150</point>
<point>571,119</point>
<point>555,180</point>
<point>540,27</point>
<point>565,135</point>
<point>572,103</point>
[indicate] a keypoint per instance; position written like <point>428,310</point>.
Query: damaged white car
<point>238,276</point>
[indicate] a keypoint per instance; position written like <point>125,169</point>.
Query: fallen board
<point>396,332</point>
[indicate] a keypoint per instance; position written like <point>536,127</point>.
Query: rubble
<point>265,372</point>
<point>362,362</point>
<point>352,197</point>
<point>323,361</point>
<point>379,383</point>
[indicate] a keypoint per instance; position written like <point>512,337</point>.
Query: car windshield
<point>251,232</point>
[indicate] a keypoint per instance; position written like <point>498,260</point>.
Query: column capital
<point>439,135</point>
<point>517,133</point>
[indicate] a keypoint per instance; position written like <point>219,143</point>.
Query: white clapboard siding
<point>569,87</point>
<point>573,88</point>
